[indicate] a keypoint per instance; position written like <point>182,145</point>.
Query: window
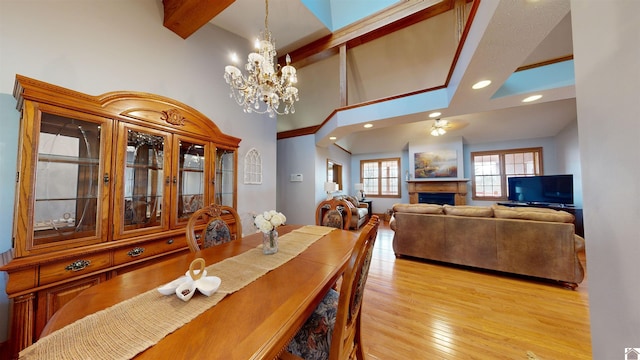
<point>381,177</point>
<point>491,169</point>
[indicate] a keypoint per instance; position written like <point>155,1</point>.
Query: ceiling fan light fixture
<point>438,127</point>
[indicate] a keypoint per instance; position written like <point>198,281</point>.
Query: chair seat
<point>313,341</point>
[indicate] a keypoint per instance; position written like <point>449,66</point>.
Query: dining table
<point>255,322</point>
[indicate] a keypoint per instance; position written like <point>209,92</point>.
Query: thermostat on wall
<point>296,177</point>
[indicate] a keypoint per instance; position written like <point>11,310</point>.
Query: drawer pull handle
<point>78,265</point>
<point>136,252</point>
<point>170,241</point>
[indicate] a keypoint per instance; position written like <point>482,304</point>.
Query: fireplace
<point>445,187</point>
<point>439,198</point>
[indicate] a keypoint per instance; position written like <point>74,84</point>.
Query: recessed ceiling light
<point>532,98</point>
<point>481,84</point>
<point>332,137</point>
<point>435,114</point>
<point>368,125</point>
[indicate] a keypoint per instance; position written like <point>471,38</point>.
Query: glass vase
<point>270,242</point>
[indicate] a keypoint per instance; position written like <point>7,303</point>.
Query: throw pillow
<point>353,201</point>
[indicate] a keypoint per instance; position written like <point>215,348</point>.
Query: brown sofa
<point>526,241</point>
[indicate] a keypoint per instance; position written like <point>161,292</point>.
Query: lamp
<point>360,189</point>
<point>263,88</point>
<point>330,188</point>
<point>438,127</point>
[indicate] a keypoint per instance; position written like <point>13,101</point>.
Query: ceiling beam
<point>184,17</point>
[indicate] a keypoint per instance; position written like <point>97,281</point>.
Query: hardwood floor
<point>424,310</point>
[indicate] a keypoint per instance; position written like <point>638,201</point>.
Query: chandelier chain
<point>266,15</point>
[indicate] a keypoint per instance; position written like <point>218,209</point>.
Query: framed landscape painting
<point>436,164</point>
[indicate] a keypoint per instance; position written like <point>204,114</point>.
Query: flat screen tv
<point>545,189</point>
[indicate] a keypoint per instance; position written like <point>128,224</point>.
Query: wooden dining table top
<point>256,322</point>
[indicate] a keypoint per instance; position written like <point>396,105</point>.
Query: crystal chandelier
<point>265,85</point>
<point>438,127</point>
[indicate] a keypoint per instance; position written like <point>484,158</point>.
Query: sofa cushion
<point>467,210</point>
<point>362,212</point>
<point>530,213</point>
<point>418,208</point>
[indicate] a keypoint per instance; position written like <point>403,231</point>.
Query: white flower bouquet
<point>269,220</point>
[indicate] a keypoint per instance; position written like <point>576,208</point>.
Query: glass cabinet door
<point>142,154</point>
<point>225,179</point>
<point>69,179</point>
<point>191,191</point>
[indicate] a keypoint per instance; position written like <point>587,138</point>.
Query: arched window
<point>253,167</point>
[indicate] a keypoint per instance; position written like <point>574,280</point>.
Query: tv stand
<point>577,212</point>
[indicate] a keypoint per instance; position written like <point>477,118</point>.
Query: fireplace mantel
<point>455,186</point>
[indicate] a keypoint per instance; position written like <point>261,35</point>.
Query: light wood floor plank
<point>426,310</point>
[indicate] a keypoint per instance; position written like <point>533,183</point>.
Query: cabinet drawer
<point>148,249</point>
<point>71,267</point>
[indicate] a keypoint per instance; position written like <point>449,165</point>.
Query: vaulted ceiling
<point>505,36</point>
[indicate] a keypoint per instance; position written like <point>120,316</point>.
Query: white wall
<point>319,95</point>
<point>606,35</point>
<point>402,62</point>
<point>297,200</point>
<point>568,158</point>
<point>111,45</point>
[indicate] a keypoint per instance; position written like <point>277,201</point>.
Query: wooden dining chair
<point>216,230</point>
<point>333,330</point>
<point>333,213</point>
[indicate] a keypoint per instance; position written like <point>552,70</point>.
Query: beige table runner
<point>129,327</point>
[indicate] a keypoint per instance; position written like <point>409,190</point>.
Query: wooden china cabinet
<point>105,184</point>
